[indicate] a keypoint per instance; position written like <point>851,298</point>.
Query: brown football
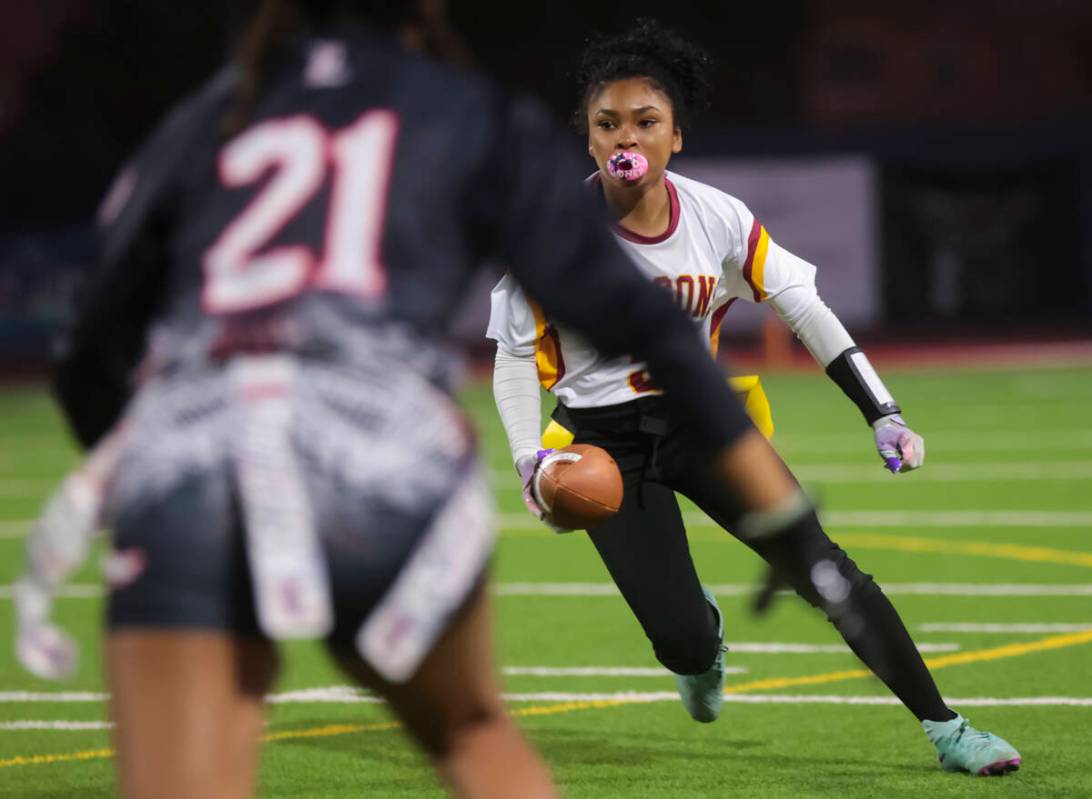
<point>578,487</point>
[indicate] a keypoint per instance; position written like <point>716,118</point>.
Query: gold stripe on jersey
<point>551,366</point>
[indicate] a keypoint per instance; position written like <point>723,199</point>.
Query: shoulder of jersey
<point>699,192</point>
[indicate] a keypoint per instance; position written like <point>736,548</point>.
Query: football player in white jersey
<point>707,248</point>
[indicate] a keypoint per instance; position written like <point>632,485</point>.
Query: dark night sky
<point>82,81</point>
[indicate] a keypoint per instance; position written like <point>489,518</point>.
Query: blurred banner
<point>823,210</point>
<point>993,247</point>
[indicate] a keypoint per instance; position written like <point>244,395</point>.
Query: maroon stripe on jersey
<point>748,265</point>
<point>714,324</point>
<point>672,223</point>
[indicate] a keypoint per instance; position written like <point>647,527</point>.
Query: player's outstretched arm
<point>56,547</point>
<point>795,299</point>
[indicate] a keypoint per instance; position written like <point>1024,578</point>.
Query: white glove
<point>43,649</point>
<point>527,466</point>
<point>57,546</point>
<point>901,449</point>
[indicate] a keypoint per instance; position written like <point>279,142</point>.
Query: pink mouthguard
<point>627,166</point>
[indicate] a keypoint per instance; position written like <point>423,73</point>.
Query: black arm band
<point>856,377</point>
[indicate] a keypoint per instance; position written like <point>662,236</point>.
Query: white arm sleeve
<point>516,392</point>
<point>797,302</point>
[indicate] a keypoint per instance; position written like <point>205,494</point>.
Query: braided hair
<point>675,67</point>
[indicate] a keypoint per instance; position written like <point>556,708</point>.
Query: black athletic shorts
<point>381,470</point>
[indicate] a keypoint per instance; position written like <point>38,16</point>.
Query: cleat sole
<point>1000,768</point>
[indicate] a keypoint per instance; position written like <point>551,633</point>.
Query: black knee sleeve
<point>804,558</point>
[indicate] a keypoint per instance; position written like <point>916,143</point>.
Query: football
<point>578,487</point>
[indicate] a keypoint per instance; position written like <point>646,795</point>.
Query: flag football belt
<point>642,415</point>
<point>291,585</point>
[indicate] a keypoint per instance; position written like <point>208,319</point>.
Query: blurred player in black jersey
<point>258,368</point>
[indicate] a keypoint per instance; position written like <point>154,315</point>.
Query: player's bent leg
<point>645,549</point>
<point>804,557</point>
<point>452,708</point>
<point>187,708</point>
<point>703,694</point>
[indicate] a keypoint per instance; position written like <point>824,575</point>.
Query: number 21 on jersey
<point>242,271</point>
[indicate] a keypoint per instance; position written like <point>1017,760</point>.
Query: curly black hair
<point>675,66</point>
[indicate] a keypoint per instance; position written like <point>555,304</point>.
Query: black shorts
<point>390,476</point>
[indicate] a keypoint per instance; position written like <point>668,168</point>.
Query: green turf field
<point>994,531</point>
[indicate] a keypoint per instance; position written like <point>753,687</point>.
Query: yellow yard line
<point>773,683</point>
<point>42,760</point>
<point>1010,650</point>
<point>709,531</point>
<point>565,707</point>
<point>330,730</point>
<point>984,549</point>
<point>934,663</point>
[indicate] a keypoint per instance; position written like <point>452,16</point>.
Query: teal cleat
<point>961,747</point>
<point>703,694</point>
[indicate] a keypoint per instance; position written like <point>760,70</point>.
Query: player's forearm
<point>834,349</point>
<point>519,403</point>
<point>801,308</point>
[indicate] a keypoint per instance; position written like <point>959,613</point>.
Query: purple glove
<point>900,447</point>
<point>526,466</point>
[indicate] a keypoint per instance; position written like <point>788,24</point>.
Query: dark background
<point>978,112</point>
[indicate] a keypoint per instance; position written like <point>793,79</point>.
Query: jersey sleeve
<point>99,352</point>
<point>766,268</point>
<point>760,270</point>
<point>548,227</point>
<point>511,320</point>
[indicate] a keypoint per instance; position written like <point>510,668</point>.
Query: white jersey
<point>713,253</point>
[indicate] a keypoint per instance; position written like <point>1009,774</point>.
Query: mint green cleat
<point>963,748</point>
<point>703,694</point>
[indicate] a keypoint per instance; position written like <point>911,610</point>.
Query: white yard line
<point>971,472</point>
<point>92,590</point>
<point>958,518</point>
<point>987,589</point>
<point>777,648</point>
<point>973,627</point>
<point>342,694</point>
<point>74,591</point>
<point>10,726</point>
<point>634,697</point>
<point>597,671</point>
<point>1006,441</point>
<point>893,518</point>
<point>977,701</point>
<point>18,697</point>
<point>746,589</point>
<point>950,472</point>
<point>19,528</point>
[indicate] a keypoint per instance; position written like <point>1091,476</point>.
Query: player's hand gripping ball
<point>577,487</point>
